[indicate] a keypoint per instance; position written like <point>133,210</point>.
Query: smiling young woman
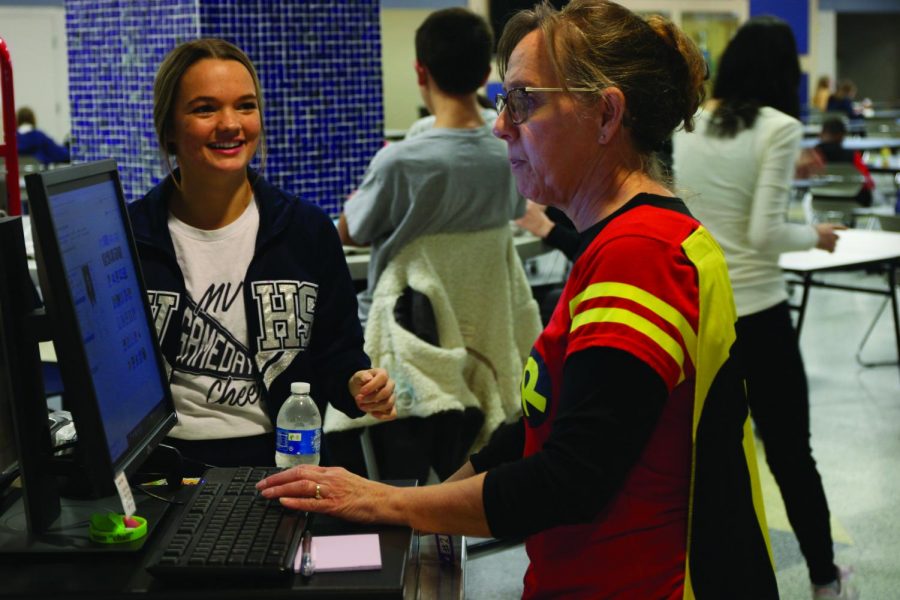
<point>216,123</point>
<point>215,129</point>
<point>248,284</point>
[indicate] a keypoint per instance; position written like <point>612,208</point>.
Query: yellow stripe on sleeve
<point>663,309</point>
<point>628,318</point>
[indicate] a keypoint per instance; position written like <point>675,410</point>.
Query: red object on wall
<point>8,148</point>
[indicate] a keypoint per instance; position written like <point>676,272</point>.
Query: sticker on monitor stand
<point>125,494</point>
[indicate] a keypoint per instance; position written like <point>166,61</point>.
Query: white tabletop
<point>815,129</point>
<point>855,247</point>
<point>890,162</point>
<point>886,113</point>
<point>859,143</point>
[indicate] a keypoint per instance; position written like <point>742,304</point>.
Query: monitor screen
<point>103,282</point>
<point>113,373</point>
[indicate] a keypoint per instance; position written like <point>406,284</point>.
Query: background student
<point>842,101</point>
<point>31,141</point>
<point>831,149</point>
<point>453,177</point>
<point>735,172</point>
<point>822,93</point>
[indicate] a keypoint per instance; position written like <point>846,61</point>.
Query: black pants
<point>779,404</point>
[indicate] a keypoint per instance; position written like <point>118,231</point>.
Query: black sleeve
<point>565,240</point>
<point>506,445</point>
<point>609,405</point>
<point>336,349</point>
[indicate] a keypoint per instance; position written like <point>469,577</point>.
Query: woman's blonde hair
<point>598,44</point>
<point>168,77</point>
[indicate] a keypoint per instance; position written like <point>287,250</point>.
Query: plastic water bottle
<point>298,432</point>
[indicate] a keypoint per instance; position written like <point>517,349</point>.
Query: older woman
<point>627,472</point>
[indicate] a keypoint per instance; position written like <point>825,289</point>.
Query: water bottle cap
<point>299,387</point>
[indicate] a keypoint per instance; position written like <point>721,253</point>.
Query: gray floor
<point>856,441</point>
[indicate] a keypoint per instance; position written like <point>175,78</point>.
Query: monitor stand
<point>69,532</point>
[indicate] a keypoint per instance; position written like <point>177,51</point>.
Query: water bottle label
<point>297,441</point>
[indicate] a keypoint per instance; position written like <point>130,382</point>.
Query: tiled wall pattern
<point>114,50</point>
<point>319,64</point>
<point>320,67</point>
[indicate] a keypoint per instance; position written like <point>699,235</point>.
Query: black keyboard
<point>227,530</point>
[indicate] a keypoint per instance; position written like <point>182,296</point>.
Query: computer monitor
<point>23,414</point>
<point>14,302</point>
<point>96,303</point>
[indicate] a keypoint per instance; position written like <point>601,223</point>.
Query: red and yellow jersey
<point>652,283</point>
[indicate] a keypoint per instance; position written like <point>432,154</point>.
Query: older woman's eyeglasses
<point>519,104</point>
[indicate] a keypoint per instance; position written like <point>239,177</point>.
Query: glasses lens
<point>499,102</point>
<point>517,101</point>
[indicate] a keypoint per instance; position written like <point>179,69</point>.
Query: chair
<point>840,173</point>
<point>881,127</point>
<point>818,117</point>
<point>29,164</point>
<point>452,320</point>
<point>832,210</point>
<point>887,223</point>
<point>835,197</point>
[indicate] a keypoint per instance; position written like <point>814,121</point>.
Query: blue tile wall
<point>319,64</point>
<point>113,56</point>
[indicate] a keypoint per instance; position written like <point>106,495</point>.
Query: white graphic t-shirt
<point>215,385</point>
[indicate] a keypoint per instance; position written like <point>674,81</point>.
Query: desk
<point>856,249</point>
<point>859,143</point>
<point>885,113</point>
<point>527,245</point>
<point>410,570</point>
<point>815,129</point>
<point>877,164</point>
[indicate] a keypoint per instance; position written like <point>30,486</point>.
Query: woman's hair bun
<point>697,68</point>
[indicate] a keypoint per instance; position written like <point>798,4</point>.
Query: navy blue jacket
<point>38,144</point>
<point>300,302</point>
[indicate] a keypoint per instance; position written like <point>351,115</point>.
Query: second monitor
<point>98,318</point>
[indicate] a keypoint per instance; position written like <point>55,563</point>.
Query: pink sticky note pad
<point>361,552</point>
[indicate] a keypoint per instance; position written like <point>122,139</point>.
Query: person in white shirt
<point>734,173</point>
